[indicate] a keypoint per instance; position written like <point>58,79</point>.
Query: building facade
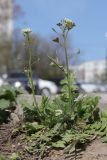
<point>6,19</point>
<point>89,71</point>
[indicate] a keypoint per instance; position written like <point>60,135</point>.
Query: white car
<point>47,87</point>
<point>93,87</point>
<point>102,87</point>
<point>42,87</point>
<point>1,81</point>
<point>89,87</point>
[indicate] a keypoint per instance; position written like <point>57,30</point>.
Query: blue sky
<point>89,16</point>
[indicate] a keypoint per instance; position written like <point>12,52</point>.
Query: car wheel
<point>45,92</point>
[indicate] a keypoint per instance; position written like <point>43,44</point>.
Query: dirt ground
<point>95,150</point>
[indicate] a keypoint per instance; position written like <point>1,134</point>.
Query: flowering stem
<point>67,69</point>
<point>30,74</point>
<point>66,25</point>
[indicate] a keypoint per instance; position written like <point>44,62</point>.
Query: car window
<point>21,75</point>
<point>17,75</point>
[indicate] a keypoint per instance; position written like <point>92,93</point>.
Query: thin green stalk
<point>30,77</point>
<point>67,70</point>
<point>59,66</point>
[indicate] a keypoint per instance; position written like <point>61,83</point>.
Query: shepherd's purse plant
<point>69,119</point>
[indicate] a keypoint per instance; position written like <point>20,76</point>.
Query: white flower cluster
<point>26,31</point>
<point>69,24</point>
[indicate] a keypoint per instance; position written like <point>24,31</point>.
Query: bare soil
<point>96,150</point>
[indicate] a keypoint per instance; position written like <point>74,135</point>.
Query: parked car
<point>43,87</point>
<point>1,81</point>
<point>102,87</point>
<point>47,87</point>
<point>89,87</point>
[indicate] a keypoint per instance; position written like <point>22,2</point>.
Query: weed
<point>67,121</point>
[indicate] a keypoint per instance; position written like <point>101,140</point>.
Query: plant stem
<point>58,65</point>
<point>30,77</point>
<point>67,69</point>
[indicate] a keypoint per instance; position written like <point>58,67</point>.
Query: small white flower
<point>26,31</point>
<point>69,24</point>
<point>67,20</point>
<point>58,112</point>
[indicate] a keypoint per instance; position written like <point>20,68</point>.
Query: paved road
<point>103,100</point>
<point>102,103</point>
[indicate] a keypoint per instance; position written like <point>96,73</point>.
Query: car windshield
<point>17,75</point>
<point>21,75</point>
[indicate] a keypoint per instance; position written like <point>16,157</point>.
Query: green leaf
<point>68,137</point>
<point>104,140</point>
<point>104,115</point>
<point>2,157</point>
<point>59,144</point>
<point>14,156</point>
<point>54,30</point>
<point>33,127</point>
<point>9,93</point>
<point>70,148</point>
<point>104,125</point>
<point>102,134</point>
<point>29,149</point>
<point>56,40</point>
<point>4,104</point>
<point>64,81</point>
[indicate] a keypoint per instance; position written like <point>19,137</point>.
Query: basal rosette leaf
<point>4,104</point>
